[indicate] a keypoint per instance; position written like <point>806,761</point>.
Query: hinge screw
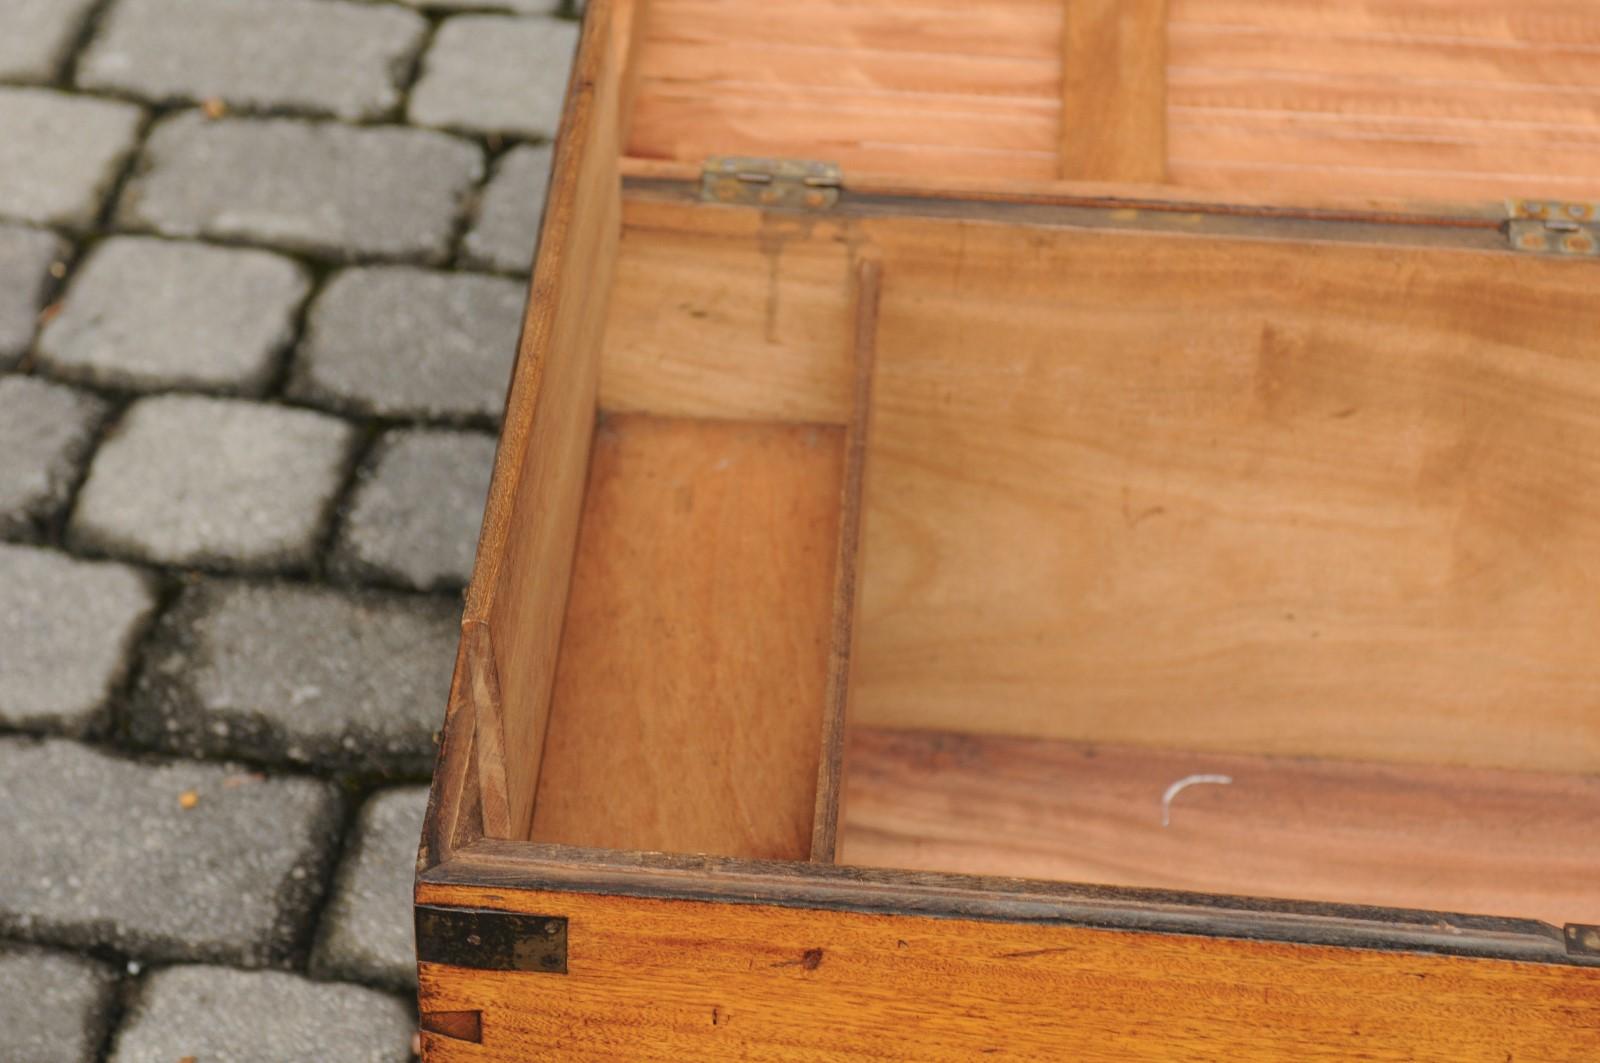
<point>552,928</point>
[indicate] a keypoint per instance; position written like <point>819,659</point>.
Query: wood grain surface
<point>658,980</point>
<point>688,703</point>
<point>531,516</point>
<point>1114,90</point>
<point>1235,496</point>
<point>1408,836</point>
<point>875,85</point>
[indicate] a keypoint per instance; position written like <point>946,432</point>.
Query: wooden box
<point>1036,531</point>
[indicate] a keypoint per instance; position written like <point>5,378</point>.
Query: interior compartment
<point>950,534</point>
<point>1317,516</point>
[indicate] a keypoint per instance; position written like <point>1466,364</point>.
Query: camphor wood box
<point>881,560</point>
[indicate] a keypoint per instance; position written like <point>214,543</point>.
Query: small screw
<point>474,939</point>
<point>552,928</point>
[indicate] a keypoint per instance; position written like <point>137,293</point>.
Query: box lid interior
<point>1408,104</point>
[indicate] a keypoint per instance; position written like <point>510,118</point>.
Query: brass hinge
<point>794,184</point>
<point>1582,939</point>
<point>1547,226</point>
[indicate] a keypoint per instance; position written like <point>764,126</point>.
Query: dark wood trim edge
<point>846,561</point>
<point>498,866</point>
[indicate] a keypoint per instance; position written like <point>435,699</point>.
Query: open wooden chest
<point>1036,530</point>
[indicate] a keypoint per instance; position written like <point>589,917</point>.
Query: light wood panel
<point>1484,100</point>
<point>1463,840</point>
<point>730,313</point>
<point>660,980</point>
<point>877,86</point>
<point>1235,495</point>
<point>1113,117</point>
<point>531,516</point>
<point>688,703</point>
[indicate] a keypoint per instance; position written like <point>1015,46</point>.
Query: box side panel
<point>525,551</point>
<point>657,979</point>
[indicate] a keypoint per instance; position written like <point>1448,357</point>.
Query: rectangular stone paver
<point>45,434</point>
<point>60,155</point>
<point>215,1015</point>
<point>54,1006</point>
<point>150,313</point>
<point>495,74</point>
<point>366,933</point>
<point>417,509</point>
<point>339,680</point>
<point>159,861</point>
<point>188,480</point>
<point>67,631</point>
<point>519,7</point>
<point>506,229</point>
<point>35,36</point>
<point>325,189</point>
<point>320,56</point>
<point>26,257</point>
<point>402,342</point>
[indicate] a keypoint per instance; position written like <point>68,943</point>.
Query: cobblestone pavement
<point>262,265</point>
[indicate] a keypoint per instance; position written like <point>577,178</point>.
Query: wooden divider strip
<point>1114,90</point>
<point>830,771</point>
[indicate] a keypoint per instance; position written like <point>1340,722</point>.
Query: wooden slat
<point>971,80</point>
<point>876,87</point>
<point>1484,108</point>
<point>1392,97</point>
<point>1401,60</point>
<point>667,981</point>
<point>1556,22</point>
<point>865,294</point>
<point>870,135</point>
<point>1006,29</point>
<point>1113,90</point>
<point>687,712</point>
<point>530,520</point>
<point>1466,840</point>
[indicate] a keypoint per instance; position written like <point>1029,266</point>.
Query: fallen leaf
<point>188,799</point>
<point>213,107</point>
<point>48,314</point>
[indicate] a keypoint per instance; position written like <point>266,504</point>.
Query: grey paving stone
<point>321,56</point>
<point>35,36</point>
<point>507,227</point>
<point>67,632</point>
<point>417,510</point>
<point>366,933</point>
<point>216,1015</point>
<point>520,7</point>
<point>102,852</point>
<point>495,74</point>
<point>45,434</point>
<point>404,342</point>
<point>187,480</point>
<point>54,1006</point>
<point>301,675</point>
<point>26,256</point>
<point>150,313</point>
<point>61,154</point>
<point>325,189</point>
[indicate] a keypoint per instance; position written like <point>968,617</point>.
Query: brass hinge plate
<point>1582,939</point>
<point>790,184</point>
<point>1552,227</point>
